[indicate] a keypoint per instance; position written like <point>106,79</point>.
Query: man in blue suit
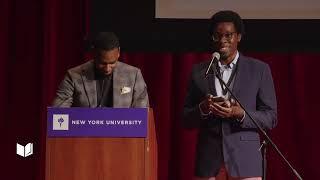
<point>228,140</point>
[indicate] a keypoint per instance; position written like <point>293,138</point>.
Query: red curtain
<point>40,39</point>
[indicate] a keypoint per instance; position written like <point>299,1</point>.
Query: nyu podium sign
<point>97,122</point>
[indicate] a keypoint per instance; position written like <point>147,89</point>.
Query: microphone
<point>215,58</point>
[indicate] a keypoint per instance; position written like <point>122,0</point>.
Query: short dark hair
<point>105,41</point>
<point>226,16</point>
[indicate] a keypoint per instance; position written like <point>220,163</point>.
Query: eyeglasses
<point>218,36</point>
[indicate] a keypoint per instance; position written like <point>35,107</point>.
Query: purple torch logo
<point>60,121</point>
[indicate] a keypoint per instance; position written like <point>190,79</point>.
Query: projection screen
<point>248,9</point>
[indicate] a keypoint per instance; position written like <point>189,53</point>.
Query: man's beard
<point>223,56</point>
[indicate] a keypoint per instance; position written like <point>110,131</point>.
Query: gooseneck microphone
<point>215,58</point>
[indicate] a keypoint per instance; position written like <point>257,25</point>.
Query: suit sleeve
<point>266,104</point>
<point>192,117</point>
<point>64,94</point>
<point>140,94</point>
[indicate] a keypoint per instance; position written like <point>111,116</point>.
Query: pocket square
<point>125,90</point>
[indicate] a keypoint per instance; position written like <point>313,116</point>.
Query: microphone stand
<point>263,132</point>
<point>263,149</point>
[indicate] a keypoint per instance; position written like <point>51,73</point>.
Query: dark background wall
<point>138,30</point>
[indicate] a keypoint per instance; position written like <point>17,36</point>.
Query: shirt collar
<point>232,64</point>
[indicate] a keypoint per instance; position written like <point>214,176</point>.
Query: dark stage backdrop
<point>41,39</point>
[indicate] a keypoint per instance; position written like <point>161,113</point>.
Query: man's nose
<point>223,39</point>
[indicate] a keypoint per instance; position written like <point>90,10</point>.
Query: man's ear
<point>118,52</point>
<point>239,37</point>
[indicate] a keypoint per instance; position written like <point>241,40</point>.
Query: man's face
<point>226,39</point>
<point>105,60</point>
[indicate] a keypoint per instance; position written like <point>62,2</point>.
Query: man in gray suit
<point>103,81</point>
<point>228,141</point>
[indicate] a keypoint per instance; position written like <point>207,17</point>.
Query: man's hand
<point>207,104</point>
<point>227,110</point>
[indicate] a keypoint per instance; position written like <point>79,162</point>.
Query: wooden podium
<point>87,158</point>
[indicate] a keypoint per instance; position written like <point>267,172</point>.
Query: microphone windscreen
<point>216,55</point>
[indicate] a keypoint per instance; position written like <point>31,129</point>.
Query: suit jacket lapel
<point>240,76</point>
<point>117,82</point>
<point>209,80</point>
<point>89,84</point>
<point>211,84</point>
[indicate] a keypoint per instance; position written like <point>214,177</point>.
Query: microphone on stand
<point>215,58</point>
